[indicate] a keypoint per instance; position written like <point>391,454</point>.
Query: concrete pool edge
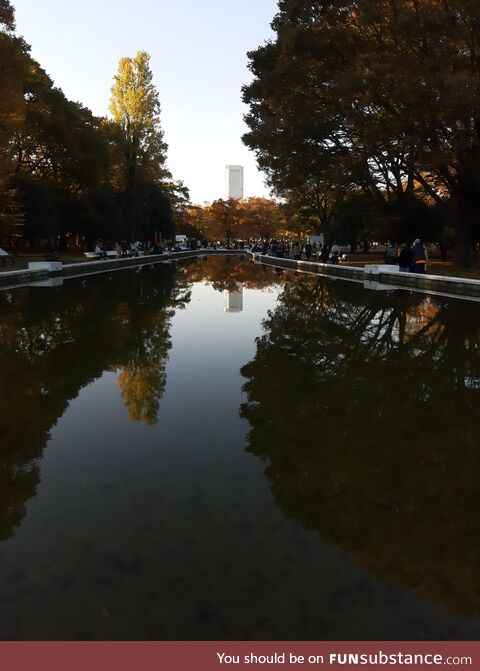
<point>16,278</point>
<point>380,278</point>
<point>374,277</point>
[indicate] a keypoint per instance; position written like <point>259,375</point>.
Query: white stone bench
<point>112,254</point>
<point>45,265</point>
<point>377,269</point>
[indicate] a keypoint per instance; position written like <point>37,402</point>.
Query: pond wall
<point>373,276</point>
<point>381,277</point>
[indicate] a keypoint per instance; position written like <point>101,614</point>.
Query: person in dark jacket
<point>405,259</point>
<point>391,255</point>
<point>419,254</point>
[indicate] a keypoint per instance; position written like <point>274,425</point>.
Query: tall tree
<point>135,107</point>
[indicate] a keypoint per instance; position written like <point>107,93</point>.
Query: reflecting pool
<point>221,450</point>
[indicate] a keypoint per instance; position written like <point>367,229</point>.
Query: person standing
<point>325,254</point>
<point>405,259</point>
<point>308,250</point>
<point>419,257</point>
<point>391,255</point>
<point>297,251</point>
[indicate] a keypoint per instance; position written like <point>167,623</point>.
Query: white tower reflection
<point>233,300</point>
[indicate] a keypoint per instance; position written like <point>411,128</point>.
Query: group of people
<point>410,259</point>
<point>298,250</point>
<point>122,249</point>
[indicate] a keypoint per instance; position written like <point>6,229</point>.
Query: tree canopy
<point>377,96</point>
<point>69,176</point>
<point>258,218</point>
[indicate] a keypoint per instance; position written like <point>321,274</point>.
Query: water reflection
<point>55,341</point>
<point>366,415</point>
<point>233,300</point>
<point>53,344</point>
<point>361,406</point>
<point>228,273</point>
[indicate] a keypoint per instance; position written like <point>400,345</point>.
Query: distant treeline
<point>68,177</point>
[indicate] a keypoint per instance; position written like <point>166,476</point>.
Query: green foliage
<point>135,105</point>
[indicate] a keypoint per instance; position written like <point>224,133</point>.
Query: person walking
<point>419,257</point>
<point>308,250</point>
<point>297,251</point>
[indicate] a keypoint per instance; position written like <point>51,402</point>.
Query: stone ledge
<point>12,277</point>
<point>449,285</point>
<point>452,286</point>
<point>384,275</point>
<point>51,266</point>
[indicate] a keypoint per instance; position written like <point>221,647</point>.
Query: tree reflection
<point>364,408</point>
<point>54,342</point>
<point>225,273</point>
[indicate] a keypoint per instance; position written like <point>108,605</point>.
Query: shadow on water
<point>367,418</point>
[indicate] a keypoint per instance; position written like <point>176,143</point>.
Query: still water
<point>217,450</point>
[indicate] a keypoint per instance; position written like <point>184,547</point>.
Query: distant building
<point>233,300</point>
<point>234,181</point>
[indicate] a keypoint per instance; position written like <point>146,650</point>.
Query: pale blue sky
<point>199,61</point>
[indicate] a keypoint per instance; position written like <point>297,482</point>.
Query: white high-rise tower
<point>234,181</point>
